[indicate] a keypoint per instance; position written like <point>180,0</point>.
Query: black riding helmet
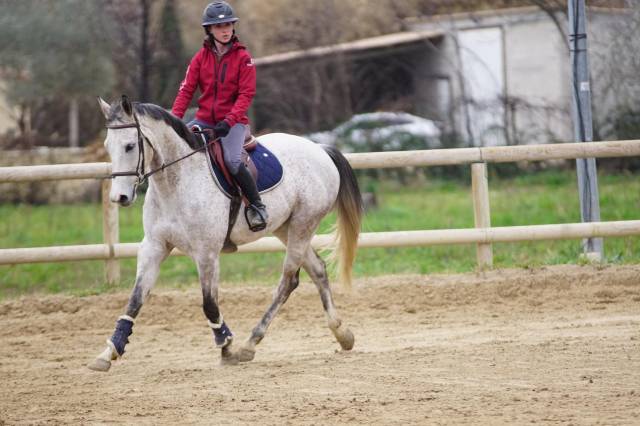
<point>218,12</point>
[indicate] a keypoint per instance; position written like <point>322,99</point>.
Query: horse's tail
<point>349,209</point>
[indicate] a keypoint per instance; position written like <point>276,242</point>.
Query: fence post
<point>110,234</point>
<point>481,211</point>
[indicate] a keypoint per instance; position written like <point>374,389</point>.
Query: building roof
<point>366,44</point>
<point>432,27</point>
<point>495,17</point>
<point>502,12</point>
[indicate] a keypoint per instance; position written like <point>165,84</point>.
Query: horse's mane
<point>159,113</point>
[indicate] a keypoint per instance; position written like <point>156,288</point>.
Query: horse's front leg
<point>150,256</point>
<point>208,271</point>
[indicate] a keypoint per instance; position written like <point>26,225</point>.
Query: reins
<point>139,172</point>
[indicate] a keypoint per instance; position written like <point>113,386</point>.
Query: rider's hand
<point>222,129</point>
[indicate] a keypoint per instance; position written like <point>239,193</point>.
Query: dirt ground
<point>551,345</point>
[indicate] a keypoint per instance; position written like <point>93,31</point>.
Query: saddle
<point>216,155</point>
<point>261,163</point>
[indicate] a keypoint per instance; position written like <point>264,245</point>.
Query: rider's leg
<point>232,146</point>
<point>256,212</point>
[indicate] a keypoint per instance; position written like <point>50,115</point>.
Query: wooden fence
<point>483,235</point>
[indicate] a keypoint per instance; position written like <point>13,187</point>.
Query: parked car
<point>382,131</point>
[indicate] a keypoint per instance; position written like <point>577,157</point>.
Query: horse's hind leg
<point>150,256</point>
<point>296,248</point>
<point>208,270</point>
<point>317,270</point>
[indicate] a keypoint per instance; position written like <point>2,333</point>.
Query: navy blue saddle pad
<point>269,171</point>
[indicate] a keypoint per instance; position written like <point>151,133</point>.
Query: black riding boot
<point>256,212</point>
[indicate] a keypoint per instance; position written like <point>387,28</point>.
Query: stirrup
<point>260,213</point>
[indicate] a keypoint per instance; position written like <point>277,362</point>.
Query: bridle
<point>139,171</point>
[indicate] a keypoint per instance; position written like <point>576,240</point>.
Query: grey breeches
<point>231,144</point>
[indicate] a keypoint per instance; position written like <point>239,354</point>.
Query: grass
<point>541,198</point>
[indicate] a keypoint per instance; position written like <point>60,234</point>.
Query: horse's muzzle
<point>124,200</point>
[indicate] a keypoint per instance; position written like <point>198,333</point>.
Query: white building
<point>494,77</point>
<point>506,74</point>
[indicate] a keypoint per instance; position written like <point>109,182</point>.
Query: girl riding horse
<point>226,76</point>
<point>146,142</point>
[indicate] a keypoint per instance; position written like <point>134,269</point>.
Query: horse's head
<point>125,144</point>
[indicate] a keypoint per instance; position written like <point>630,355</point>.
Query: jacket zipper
<point>215,75</point>
<point>215,87</point>
<point>224,72</point>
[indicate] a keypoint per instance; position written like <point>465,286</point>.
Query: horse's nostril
<point>123,199</point>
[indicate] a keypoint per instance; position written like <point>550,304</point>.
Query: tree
<point>54,53</point>
<point>132,34</point>
<point>170,59</point>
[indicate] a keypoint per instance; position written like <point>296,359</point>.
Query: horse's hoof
<point>345,338</point>
<point>99,364</point>
<point>246,354</point>
<point>227,357</point>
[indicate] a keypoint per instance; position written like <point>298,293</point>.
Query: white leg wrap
<point>127,317</point>
<point>214,325</point>
<point>114,353</point>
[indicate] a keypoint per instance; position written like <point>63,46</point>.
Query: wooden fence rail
<point>506,234</point>
<point>378,160</point>
<point>483,234</point>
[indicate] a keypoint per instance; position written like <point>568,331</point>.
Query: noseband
<point>139,171</point>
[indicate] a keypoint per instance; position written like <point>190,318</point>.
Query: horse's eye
<point>129,147</point>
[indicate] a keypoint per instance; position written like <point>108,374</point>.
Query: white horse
<point>185,209</point>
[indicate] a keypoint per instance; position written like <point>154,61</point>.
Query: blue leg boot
<point>120,337</point>
<point>222,335</point>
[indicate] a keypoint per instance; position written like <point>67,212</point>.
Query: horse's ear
<point>105,107</point>
<point>126,105</point>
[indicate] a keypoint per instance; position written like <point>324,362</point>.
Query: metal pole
<point>582,124</point>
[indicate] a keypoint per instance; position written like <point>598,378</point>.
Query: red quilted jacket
<point>227,85</point>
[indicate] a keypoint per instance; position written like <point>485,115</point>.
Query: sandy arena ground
<point>551,345</point>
